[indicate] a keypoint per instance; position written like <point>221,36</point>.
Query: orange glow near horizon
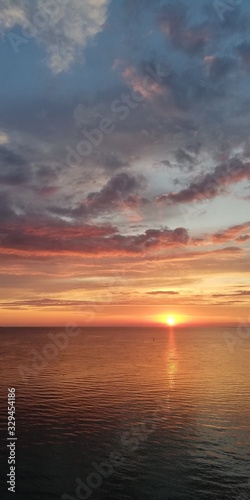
<point>126,315</point>
<point>171,319</point>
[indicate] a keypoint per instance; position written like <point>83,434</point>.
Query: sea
<point>125,413</point>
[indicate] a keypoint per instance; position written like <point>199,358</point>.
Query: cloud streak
<point>233,233</point>
<point>25,238</point>
<point>210,185</point>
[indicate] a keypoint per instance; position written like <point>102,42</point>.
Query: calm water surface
<point>170,406</point>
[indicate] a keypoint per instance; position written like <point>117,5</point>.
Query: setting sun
<point>170,320</point>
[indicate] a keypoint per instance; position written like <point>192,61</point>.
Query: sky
<point>124,162</point>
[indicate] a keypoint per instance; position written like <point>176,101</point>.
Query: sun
<point>170,321</point>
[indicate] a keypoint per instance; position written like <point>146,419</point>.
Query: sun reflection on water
<point>172,359</point>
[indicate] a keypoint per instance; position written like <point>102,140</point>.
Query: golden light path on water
<point>171,357</point>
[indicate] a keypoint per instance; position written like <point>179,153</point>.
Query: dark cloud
<point>174,24</point>
<point>194,148</point>
<point>244,52</point>
<point>61,238</point>
<point>172,19</point>
<point>240,293</point>
<point>114,194</point>
<point>112,161</point>
<point>48,303</point>
<point>6,210</point>
<point>184,158</point>
<point>243,239</point>
<point>220,67</point>
<point>167,163</point>
<point>118,187</point>
<point>13,168</point>
<point>120,191</point>
<point>10,157</point>
<point>210,185</point>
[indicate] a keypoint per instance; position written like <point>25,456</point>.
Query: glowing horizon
<point>128,316</point>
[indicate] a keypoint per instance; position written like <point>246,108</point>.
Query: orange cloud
<point>140,83</point>
<point>233,233</point>
<point>23,238</point>
<point>209,59</point>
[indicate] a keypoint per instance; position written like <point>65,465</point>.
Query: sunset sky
<point>124,162</point>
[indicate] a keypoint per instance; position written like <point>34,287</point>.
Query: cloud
<point>6,211</point>
<point>46,191</point>
<point>220,67</point>
<point>57,237</point>
<point>48,303</point>
<point>244,52</point>
<point>233,233</point>
<point>210,185</point>
<point>243,239</point>
<point>139,84</point>
<point>13,168</point>
<point>115,192</point>
<point>64,28</point>
<point>173,23</point>
<point>112,161</point>
<point>162,292</point>
<point>239,293</point>
<point>185,159</point>
<point>49,237</point>
<point>189,256</point>
<point>86,115</point>
<point>118,193</point>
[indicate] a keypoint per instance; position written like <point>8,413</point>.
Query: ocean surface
<point>127,413</point>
